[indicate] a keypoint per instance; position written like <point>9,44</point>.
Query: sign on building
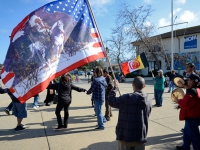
<point>190,42</point>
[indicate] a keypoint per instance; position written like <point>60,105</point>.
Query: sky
<point>13,11</point>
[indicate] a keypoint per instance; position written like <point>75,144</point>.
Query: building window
<point>152,65</point>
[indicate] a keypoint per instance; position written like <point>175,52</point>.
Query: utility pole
<point>172,35</point>
<point>172,38</point>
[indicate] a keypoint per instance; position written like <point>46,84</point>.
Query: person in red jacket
<point>190,112</point>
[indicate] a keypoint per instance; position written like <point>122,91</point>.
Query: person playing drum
<point>190,69</point>
<point>189,111</point>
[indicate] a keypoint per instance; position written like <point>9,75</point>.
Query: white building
<point>186,49</point>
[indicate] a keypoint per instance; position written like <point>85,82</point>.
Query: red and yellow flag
<point>139,62</point>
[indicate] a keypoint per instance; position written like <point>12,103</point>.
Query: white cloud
<point>188,16</point>
<point>147,24</point>
<point>148,1</point>
<point>180,1</point>
<point>163,22</point>
<point>175,11</point>
<point>99,6</point>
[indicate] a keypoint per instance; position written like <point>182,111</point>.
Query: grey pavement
<point>164,125</point>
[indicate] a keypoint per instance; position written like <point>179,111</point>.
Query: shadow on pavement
<point>102,146</point>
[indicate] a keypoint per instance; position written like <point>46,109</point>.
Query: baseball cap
<point>160,71</point>
<point>194,77</point>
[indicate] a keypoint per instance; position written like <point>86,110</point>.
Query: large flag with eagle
<point>54,39</point>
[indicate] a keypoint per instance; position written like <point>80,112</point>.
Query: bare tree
<point>119,47</point>
<point>138,29</point>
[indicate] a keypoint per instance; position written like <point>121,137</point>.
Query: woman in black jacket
<point>64,88</point>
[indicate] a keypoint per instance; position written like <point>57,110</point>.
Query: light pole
<point>172,38</point>
<point>107,64</point>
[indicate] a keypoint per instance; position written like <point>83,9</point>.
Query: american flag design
<point>52,40</point>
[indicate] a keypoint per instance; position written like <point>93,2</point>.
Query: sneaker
<point>7,111</point>
<point>58,128</point>
<point>22,125</point>
<point>98,128</point>
<point>19,128</point>
<point>182,130</point>
<point>35,107</point>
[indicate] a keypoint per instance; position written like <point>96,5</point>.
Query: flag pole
<point>87,1</point>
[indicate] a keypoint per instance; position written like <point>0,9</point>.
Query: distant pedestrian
<point>134,111</point>
<point>159,86</point>
<point>171,84</point>
<point>19,109</point>
<point>36,101</point>
<point>50,95</point>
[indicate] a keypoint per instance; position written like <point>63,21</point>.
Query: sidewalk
<point>164,125</point>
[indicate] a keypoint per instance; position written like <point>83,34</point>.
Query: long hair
<point>66,78</point>
<point>99,72</point>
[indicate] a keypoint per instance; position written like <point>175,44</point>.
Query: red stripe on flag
<point>42,86</point>
<point>12,90</point>
<point>2,70</point>
<point>20,26</point>
<point>9,76</point>
<point>125,68</point>
<point>94,35</point>
<point>96,45</point>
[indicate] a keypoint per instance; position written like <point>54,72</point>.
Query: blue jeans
<point>171,86</point>
<point>36,100</point>
<point>158,96</point>
<point>10,106</point>
<point>100,118</point>
<point>191,134</point>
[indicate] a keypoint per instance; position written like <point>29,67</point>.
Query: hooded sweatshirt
<point>190,105</point>
<point>98,88</point>
<point>134,111</point>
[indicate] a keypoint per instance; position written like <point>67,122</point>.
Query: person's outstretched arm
<point>78,89</point>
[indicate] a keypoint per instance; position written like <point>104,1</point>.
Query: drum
<point>176,79</point>
<point>177,94</point>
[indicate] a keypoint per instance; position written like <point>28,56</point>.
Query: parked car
<point>80,73</point>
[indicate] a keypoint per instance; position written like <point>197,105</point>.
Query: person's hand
<point>152,75</point>
<point>84,90</point>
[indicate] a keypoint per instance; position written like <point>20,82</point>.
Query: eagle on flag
<point>54,39</point>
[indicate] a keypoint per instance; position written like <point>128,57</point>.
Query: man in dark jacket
<point>19,110</point>
<point>134,111</point>
<point>109,81</point>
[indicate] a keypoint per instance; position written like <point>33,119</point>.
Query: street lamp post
<point>107,64</point>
